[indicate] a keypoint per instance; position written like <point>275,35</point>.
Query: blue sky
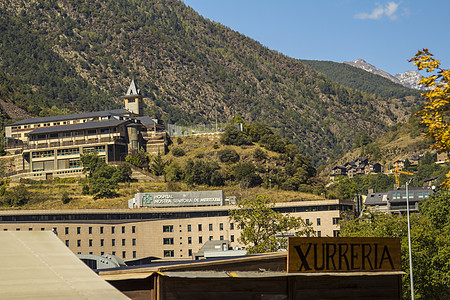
<point>384,33</point>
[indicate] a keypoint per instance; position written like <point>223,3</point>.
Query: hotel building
<point>175,232</point>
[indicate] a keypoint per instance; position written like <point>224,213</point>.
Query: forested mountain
<point>362,80</point>
<point>81,55</point>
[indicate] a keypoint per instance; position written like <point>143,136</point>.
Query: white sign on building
<point>177,199</point>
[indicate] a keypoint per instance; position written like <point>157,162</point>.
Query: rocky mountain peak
<point>409,79</point>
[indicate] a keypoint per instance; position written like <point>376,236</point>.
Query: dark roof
<point>377,198</point>
<point>146,121</point>
<point>80,126</point>
<point>104,113</point>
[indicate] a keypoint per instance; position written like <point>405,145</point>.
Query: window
<point>404,195</point>
<point>91,252</point>
<point>319,233</point>
<point>307,221</point>
<point>113,253</point>
<point>90,230</point>
<point>420,194</point>
<point>78,230</point>
<point>113,242</point>
<point>168,241</point>
<point>168,228</point>
<point>42,228</point>
<point>78,243</point>
<point>200,240</point>
<point>66,230</point>
<point>134,254</point>
<point>221,226</point>
<point>124,254</point>
<point>102,253</point>
<point>336,221</point>
<point>67,243</point>
<point>189,240</point>
<point>190,252</point>
<point>30,229</point>
<point>210,237</point>
<point>101,230</point>
<point>318,221</point>
<point>133,229</point>
<point>189,228</point>
<point>232,238</point>
<point>90,243</point>
<point>133,242</point>
<point>335,233</point>
<point>221,238</point>
<point>113,230</point>
<point>168,253</point>
<point>71,151</point>
<point>123,229</point>
<point>210,227</point>
<point>199,227</point>
<point>123,242</point>
<point>232,226</point>
<point>102,242</point>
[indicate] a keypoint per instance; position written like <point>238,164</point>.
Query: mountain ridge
<point>190,69</point>
<point>409,79</point>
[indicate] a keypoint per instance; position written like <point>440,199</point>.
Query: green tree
<point>157,165</point>
<point>102,180</point>
<point>228,155</point>
<point>430,238</point>
<point>17,196</point>
<point>177,151</point>
<point>138,158</point>
<point>233,136</point>
<point>260,224</point>
<point>259,154</point>
<point>91,162</point>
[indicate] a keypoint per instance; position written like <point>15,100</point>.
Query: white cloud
<point>377,13</point>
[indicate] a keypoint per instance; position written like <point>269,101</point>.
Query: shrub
<point>228,155</point>
<point>259,154</point>
<point>178,152</point>
<point>65,198</point>
<point>179,141</point>
<point>18,196</point>
<point>233,136</point>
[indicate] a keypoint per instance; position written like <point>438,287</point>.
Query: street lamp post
<point>409,242</point>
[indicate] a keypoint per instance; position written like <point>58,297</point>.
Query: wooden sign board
<point>356,254</point>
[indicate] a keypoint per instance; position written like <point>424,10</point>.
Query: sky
<point>384,33</point>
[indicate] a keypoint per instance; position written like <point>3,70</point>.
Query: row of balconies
<point>116,139</point>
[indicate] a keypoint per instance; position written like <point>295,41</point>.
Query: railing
<point>74,142</point>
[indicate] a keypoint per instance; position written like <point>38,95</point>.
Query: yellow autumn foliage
<point>435,114</point>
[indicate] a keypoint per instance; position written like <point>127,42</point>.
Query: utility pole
<point>409,241</point>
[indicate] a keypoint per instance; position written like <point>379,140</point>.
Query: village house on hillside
<point>360,166</point>
<point>41,148</point>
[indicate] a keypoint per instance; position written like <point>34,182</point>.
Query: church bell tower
<point>134,102</point>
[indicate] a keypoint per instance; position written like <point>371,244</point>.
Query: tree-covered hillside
<point>81,55</point>
<point>359,79</point>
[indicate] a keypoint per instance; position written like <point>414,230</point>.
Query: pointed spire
<point>133,90</point>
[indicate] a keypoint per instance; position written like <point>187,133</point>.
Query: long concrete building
<point>176,232</point>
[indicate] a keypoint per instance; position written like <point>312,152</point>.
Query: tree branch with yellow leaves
<point>435,114</point>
